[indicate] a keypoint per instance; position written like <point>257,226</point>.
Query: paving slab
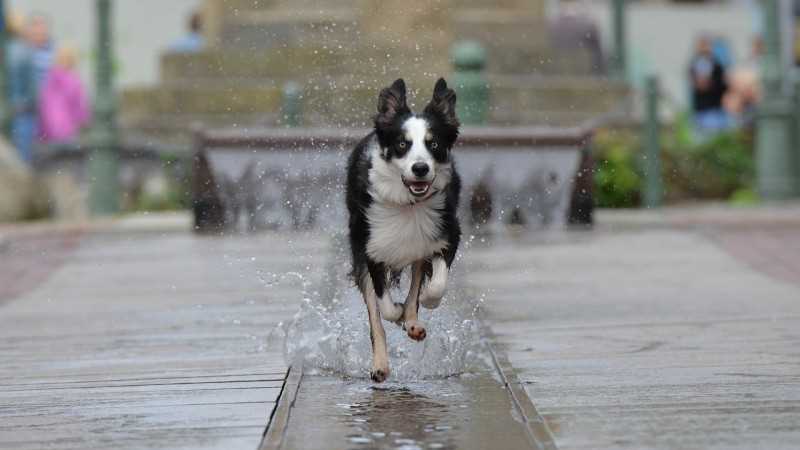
<point>651,338</point>
<point>143,340</point>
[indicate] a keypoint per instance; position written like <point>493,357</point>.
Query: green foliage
<point>175,194</point>
<point>170,200</point>
<point>718,167</point>
<point>711,169</point>
<point>744,197</point>
<point>617,181</point>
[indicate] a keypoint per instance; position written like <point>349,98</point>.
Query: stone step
<point>290,27</point>
<point>533,6</point>
<point>513,100</point>
<point>302,63</point>
<point>334,25</point>
<point>231,7</point>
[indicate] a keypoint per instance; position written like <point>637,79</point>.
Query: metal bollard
<point>653,188</point>
<point>796,136</point>
<point>775,159</point>
<point>471,84</point>
<point>4,112</point>
<point>291,109</point>
<point>619,27</point>
<point>104,161</point>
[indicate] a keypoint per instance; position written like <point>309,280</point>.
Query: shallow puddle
<point>467,412</point>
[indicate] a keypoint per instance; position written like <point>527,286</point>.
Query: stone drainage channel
<point>488,409</point>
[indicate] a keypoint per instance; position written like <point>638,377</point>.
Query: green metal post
<point>653,189</point>
<point>4,113</point>
<point>796,136</point>
<point>104,160</point>
<point>291,109</point>
<point>619,58</point>
<point>775,162</point>
<point>471,84</point>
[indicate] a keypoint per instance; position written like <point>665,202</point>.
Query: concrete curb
<point>133,223</point>
<point>538,431</point>
<point>279,419</point>
<point>704,215</point>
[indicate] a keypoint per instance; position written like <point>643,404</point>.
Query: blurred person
<point>193,41</point>
<point>574,29</point>
<point>38,37</point>
<point>744,91</point>
<point>721,49</point>
<point>708,83</point>
<point>21,87</point>
<point>63,105</point>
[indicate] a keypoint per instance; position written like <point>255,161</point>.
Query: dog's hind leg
<point>390,310</point>
<point>380,358</point>
<point>411,323</point>
<point>433,291</point>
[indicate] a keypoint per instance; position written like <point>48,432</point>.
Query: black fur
<point>393,111</point>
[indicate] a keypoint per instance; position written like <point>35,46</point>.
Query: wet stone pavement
<point>465,412</point>
<point>647,338</point>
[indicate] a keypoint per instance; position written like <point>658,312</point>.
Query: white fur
<point>390,310</point>
<point>417,131</point>
<point>402,234</point>
<point>386,183</point>
<point>433,292</point>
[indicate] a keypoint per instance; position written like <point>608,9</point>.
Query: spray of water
<point>330,332</point>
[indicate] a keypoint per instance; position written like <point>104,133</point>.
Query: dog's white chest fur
<point>402,234</point>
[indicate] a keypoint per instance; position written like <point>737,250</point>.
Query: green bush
<point>617,180</point>
<point>717,167</point>
<point>711,169</point>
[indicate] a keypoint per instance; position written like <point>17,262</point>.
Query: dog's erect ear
<point>391,102</point>
<point>443,104</point>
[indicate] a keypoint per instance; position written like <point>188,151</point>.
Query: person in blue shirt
<point>193,41</point>
<point>38,36</point>
<point>21,88</point>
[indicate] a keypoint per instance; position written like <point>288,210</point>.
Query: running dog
<point>402,197</point>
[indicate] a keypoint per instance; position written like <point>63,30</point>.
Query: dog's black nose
<point>420,169</point>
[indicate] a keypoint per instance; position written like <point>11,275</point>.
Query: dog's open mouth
<point>417,188</point>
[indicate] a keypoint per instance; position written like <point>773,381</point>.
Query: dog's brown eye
<point>434,145</point>
<point>401,145</point>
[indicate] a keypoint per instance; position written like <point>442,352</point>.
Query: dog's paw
<point>392,312</point>
<point>379,375</point>
<point>415,330</point>
<point>430,302</point>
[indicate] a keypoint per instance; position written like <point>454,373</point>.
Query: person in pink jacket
<point>63,106</point>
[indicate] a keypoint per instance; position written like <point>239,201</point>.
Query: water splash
<point>330,332</point>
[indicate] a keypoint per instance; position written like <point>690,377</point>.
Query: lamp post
<point>104,157</point>
<point>775,161</point>
<point>653,188</point>
<point>4,116</point>
<point>471,84</point>
<point>619,61</point>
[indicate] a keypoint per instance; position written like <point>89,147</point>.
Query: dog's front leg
<point>433,292</point>
<point>411,324</point>
<point>380,358</point>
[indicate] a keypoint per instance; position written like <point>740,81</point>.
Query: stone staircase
<point>342,51</point>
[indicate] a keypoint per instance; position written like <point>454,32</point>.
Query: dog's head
<point>417,147</point>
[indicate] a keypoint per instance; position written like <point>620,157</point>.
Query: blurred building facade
<point>341,52</point>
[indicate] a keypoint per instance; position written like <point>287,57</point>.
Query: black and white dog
<point>402,196</point>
